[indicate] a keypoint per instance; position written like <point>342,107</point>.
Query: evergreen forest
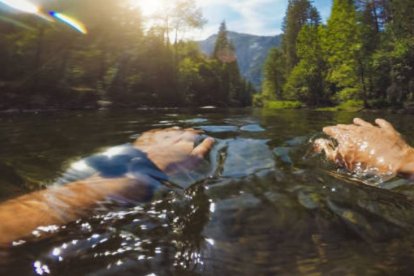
<point>122,60</point>
<point>363,55</point>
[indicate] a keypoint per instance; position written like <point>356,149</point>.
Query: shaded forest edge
<point>119,63</point>
<point>363,57</point>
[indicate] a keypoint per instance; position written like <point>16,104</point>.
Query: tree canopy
<point>124,59</point>
<point>364,53</point>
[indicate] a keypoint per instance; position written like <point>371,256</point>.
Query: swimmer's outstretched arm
<point>377,146</point>
<point>170,150</point>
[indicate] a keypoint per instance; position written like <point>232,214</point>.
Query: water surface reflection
<point>262,204</point>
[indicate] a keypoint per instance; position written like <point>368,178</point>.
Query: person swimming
<point>132,172</point>
<point>125,174</point>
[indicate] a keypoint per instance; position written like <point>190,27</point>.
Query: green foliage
<point>50,65</point>
<point>232,89</point>
<point>295,87</point>
<point>348,94</point>
<point>224,50</point>
<point>402,18</point>
<point>282,105</point>
<point>296,71</point>
<point>274,75</point>
<point>341,45</point>
<point>299,13</point>
<point>350,106</point>
<point>363,57</point>
<point>306,82</point>
<point>184,15</point>
<point>258,100</point>
<point>378,103</point>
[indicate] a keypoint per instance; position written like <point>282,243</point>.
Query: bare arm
<point>170,150</point>
<point>378,147</point>
<point>60,205</point>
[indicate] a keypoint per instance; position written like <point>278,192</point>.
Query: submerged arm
<point>61,204</point>
<point>170,150</point>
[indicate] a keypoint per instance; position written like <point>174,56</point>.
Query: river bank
<point>348,106</point>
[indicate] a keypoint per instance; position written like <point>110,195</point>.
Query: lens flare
<point>75,24</point>
<point>21,5</point>
<point>16,23</point>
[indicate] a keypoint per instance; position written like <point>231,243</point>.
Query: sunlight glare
<point>21,5</point>
<point>148,7</point>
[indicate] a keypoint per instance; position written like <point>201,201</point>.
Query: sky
<point>259,17</point>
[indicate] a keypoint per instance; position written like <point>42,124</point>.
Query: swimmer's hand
<point>173,149</point>
<point>379,147</point>
<point>170,149</point>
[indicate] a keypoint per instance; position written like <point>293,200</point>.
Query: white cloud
<point>256,15</point>
<point>262,17</point>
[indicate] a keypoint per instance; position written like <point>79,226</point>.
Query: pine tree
<point>223,49</point>
<point>280,63</point>
<point>400,54</point>
<point>306,82</point>
<point>274,75</point>
<point>341,45</point>
<point>370,26</point>
<point>232,84</point>
<point>299,13</point>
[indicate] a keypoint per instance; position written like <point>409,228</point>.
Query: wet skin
<point>362,145</point>
<point>171,150</point>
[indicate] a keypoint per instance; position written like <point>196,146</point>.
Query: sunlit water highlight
<point>262,204</point>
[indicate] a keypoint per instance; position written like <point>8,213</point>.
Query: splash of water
<point>370,175</point>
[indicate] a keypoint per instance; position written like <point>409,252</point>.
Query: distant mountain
<point>251,51</point>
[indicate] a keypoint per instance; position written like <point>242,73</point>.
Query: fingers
<point>172,133</point>
<point>337,131</point>
<point>326,146</point>
<point>202,149</point>
<point>174,129</point>
<point>359,127</point>
<point>360,122</point>
<point>330,130</point>
<point>179,129</point>
<point>195,131</point>
<point>348,127</point>
<point>342,131</point>
<point>343,134</point>
<point>385,125</point>
<point>334,131</point>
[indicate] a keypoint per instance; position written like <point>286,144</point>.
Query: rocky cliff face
<point>251,51</point>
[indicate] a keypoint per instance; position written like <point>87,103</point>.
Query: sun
<point>149,7</point>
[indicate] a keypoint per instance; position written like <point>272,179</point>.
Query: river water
<point>264,203</point>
